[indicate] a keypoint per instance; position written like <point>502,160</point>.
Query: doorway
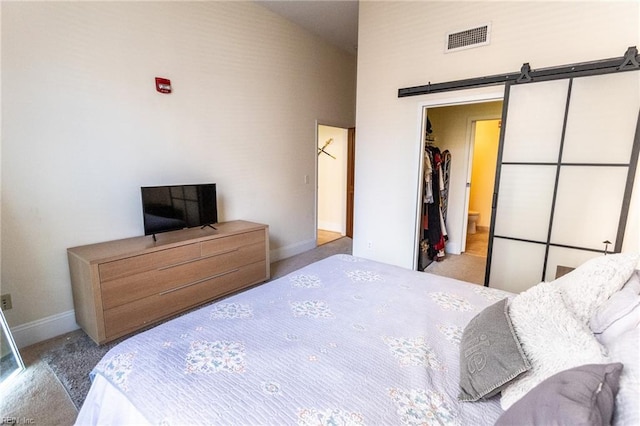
<point>455,128</point>
<point>482,172</point>
<point>332,190</point>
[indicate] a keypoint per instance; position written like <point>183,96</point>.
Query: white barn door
<point>566,165</point>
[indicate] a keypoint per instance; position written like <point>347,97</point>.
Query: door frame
<point>470,148</point>
<point>350,178</point>
<point>435,100</point>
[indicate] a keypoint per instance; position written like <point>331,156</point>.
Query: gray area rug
<point>73,361</point>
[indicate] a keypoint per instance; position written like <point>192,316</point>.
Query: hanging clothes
<point>444,190</point>
<point>436,179</point>
<point>428,170</point>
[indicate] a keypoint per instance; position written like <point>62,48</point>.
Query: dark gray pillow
<point>583,395</point>
<point>490,354</point>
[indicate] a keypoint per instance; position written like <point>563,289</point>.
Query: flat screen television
<point>173,207</point>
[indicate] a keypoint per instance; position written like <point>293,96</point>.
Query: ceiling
<point>334,21</point>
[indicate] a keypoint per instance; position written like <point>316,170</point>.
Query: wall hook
<point>326,144</point>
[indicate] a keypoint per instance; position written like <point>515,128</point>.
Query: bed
<point>342,341</point>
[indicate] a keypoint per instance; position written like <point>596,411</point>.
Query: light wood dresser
<point>124,285</point>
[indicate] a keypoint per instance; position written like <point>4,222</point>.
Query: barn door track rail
<point>629,62</point>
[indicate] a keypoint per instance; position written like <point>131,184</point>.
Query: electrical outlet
<point>5,302</point>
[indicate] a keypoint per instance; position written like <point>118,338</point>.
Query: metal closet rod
<point>628,62</point>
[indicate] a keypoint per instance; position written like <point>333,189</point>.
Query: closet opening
<point>456,134</point>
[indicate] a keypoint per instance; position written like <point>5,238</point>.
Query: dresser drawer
<point>220,245</point>
<point>146,262</point>
<point>127,289</point>
<point>123,285</point>
<point>131,316</point>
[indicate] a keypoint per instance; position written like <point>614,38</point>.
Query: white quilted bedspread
<point>344,341</point>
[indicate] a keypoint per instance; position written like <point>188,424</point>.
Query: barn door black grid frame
<point>630,61</point>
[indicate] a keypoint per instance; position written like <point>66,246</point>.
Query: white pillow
<point>552,338</point>
<point>588,286</point>
<point>626,323</point>
<point>617,307</point>
<point>633,284</point>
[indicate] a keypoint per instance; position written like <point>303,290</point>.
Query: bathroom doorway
<point>482,171</point>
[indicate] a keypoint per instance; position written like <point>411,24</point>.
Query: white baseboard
<point>292,250</point>
<point>43,329</point>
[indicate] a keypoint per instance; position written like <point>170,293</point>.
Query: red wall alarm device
<point>163,85</point>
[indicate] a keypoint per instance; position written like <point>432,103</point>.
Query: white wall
<point>83,127</point>
<point>332,179</point>
<point>401,45</point>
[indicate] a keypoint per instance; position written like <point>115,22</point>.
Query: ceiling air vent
<point>466,39</point>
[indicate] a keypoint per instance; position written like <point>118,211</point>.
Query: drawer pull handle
<point>199,281</point>
<point>218,253</point>
<point>196,260</point>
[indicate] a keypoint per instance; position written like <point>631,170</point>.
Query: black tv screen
<point>173,207</point>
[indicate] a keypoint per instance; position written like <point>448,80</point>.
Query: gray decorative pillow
<point>583,395</point>
<point>490,354</point>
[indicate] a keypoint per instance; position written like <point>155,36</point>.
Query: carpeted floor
<point>56,381</point>
<point>465,267</point>
<point>468,266</point>
<point>36,396</point>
